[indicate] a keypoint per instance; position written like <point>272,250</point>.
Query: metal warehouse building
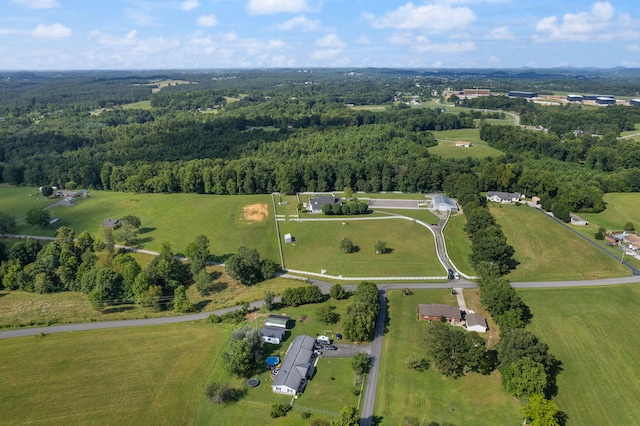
<point>634,102</point>
<point>595,97</point>
<point>575,98</point>
<point>516,94</point>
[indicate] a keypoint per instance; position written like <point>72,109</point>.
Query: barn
<point>443,204</point>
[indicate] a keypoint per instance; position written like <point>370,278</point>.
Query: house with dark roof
<point>476,322</point>
<point>503,197</point>
<point>437,311</point>
<point>315,204</point>
<point>270,334</point>
<point>297,368</point>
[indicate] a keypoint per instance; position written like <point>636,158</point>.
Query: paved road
<point>368,401</point>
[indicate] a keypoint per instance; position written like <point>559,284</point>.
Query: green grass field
<point>138,105</point>
<point>317,247</point>
<point>590,331</point>
<point>139,375</point>
<point>175,219</point>
<point>621,208</point>
<point>474,399</point>
<point>547,251</point>
<point>422,214</point>
<point>447,145</point>
<point>458,245</point>
<point>18,200</point>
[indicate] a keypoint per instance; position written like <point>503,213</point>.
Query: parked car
<point>330,348</point>
<point>323,340</point>
<point>338,336</point>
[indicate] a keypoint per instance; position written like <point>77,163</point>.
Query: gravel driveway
<point>345,350</point>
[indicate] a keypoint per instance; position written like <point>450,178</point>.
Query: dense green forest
<point>231,132</point>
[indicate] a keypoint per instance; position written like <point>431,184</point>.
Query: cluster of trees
<point>296,296</point>
<point>347,208</point>
<point>247,267</point>
<point>455,352</point>
<point>359,318</point>
<point>244,353</point>
<point>501,300</point>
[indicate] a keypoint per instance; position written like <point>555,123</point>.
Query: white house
<point>464,144</point>
<point>577,220</point>
<point>503,197</point>
<point>315,204</point>
<point>297,367</point>
<point>270,334</point>
<point>476,322</point>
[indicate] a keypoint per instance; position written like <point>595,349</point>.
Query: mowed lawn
<point>16,201</point>
<point>621,208</point>
<point>474,399</point>
<point>591,331</point>
<point>447,144</point>
<point>176,219</point>
<point>134,376</point>
<point>548,251</point>
<point>458,245</point>
<point>317,246</point>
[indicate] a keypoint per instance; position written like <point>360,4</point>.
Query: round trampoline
<point>253,382</point>
<point>272,361</point>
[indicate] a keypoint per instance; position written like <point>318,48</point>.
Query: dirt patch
<point>255,212</point>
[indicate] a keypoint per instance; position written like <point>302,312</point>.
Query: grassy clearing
<point>448,149</point>
<point>588,329</point>
<point>458,245</point>
<point>138,105</point>
<point>289,206</point>
<point>423,214</point>
<point>474,399</point>
<point>175,219</point>
<point>621,208</point>
<point>140,375</point>
<point>18,200</point>
<point>547,251</point>
<point>317,247</point>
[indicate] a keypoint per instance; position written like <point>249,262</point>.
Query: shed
<point>270,334</point>
<point>476,322</point>
<point>297,367</point>
<point>577,220</point>
<point>443,203</point>
<point>288,238</point>
<point>436,311</point>
<point>280,321</point>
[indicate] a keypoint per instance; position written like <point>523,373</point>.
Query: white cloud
<point>37,4</point>
<point>207,21</point>
<point>494,60</point>
<point>270,7</point>
<point>500,33</point>
<point>300,22</point>
<point>600,24</point>
<point>189,4</point>
<point>128,39</point>
<point>363,40</point>
<point>423,45</point>
<point>330,46</point>
<point>141,18</point>
<point>633,47</point>
<point>53,31</point>
<point>426,18</point>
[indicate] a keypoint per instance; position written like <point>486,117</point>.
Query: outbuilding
<point>577,220</point>
<point>442,203</point>
<point>476,322</point>
<point>279,321</point>
<point>288,238</point>
<point>517,94</point>
<point>270,334</point>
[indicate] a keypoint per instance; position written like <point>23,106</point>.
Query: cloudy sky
<point>170,34</point>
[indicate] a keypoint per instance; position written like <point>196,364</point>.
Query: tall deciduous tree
<point>38,217</point>
<point>198,253</point>
<point>540,411</point>
<point>524,377</point>
<point>347,245</point>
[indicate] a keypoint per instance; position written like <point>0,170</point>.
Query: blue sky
<point>171,34</point>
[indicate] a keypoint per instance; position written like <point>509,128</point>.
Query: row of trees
<point>359,318</point>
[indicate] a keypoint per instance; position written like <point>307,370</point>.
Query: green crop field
<point>317,247</point>
<point>138,105</point>
<point>176,219</point>
<point>590,330</point>
<point>458,245</point>
<point>621,208</point>
<point>548,251</point>
<point>474,399</point>
<point>139,375</point>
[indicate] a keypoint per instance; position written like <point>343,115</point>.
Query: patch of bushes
<point>295,296</point>
<point>279,410</point>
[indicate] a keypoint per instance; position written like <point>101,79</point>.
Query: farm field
<point>17,201</point>
<point>428,395</point>
<point>587,329</point>
<point>621,208</point>
<point>447,144</point>
<point>547,251</point>
<point>228,221</point>
<point>138,105</point>
<point>458,245</point>
<point>317,247</point>
<point>139,375</point>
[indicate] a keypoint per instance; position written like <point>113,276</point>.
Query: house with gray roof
<point>315,204</point>
<point>270,334</point>
<point>476,322</point>
<point>297,368</point>
<point>437,311</point>
<point>503,197</point>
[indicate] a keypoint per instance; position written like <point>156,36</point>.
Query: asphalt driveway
<point>345,350</point>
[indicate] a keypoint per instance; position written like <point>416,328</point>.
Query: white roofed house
<point>315,204</point>
<point>443,203</point>
<point>503,197</point>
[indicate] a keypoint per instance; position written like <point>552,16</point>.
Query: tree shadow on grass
<point>221,258</point>
<point>199,307</point>
<point>145,230</point>
<point>219,286</point>
<point>117,309</point>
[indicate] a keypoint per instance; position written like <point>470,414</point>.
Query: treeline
<point>518,105</point>
<point>359,318</point>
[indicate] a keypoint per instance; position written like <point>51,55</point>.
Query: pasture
<point>428,395</point>
<point>16,201</point>
<point>228,221</point>
<point>590,331</point>
<point>422,214</point>
<point>138,105</point>
<point>447,144</point>
<point>621,208</point>
<point>411,248</point>
<point>548,251</point>
<point>140,375</point>
<point>458,245</point>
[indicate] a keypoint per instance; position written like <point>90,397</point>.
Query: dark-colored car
<point>330,348</point>
<point>338,336</point>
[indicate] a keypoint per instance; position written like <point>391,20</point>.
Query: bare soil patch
<point>255,212</point>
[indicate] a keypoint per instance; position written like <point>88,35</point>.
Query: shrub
<point>279,410</point>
